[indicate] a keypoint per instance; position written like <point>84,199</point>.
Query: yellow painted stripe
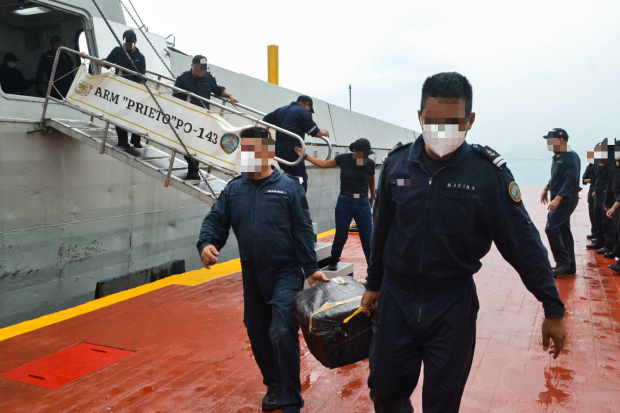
<point>189,279</point>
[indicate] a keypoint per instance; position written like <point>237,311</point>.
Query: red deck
<point>191,351</point>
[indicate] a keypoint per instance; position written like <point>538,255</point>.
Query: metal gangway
<point>157,158</point>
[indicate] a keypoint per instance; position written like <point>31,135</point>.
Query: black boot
<point>269,402</point>
<point>559,271</point>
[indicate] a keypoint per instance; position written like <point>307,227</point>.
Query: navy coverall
<point>63,78</point>
<point>297,119</point>
<point>604,226</point>
<point>565,171</point>
<point>612,196</point>
<point>201,86</point>
<point>276,245</point>
<point>118,57</point>
<point>430,233</point>
<point>588,175</point>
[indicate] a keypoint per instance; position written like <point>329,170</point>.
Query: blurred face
<point>558,145</point>
<point>255,155</point>
<point>200,69</point>
<point>130,44</point>
<point>444,124</point>
<point>360,157</point>
<point>56,45</point>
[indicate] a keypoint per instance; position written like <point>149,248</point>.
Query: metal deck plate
<point>67,365</point>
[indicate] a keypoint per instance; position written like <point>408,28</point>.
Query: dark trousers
<point>122,137</point>
<point>604,226</point>
<point>591,214</point>
<point>269,316</point>
<point>297,171</point>
<point>192,166</point>
<point>559,234</point>
<point>434,328</point>
<point>616,224</point>
<point>347,209</point>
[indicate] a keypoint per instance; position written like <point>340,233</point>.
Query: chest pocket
<point>275,209</point>
<point>241,206</point>
<point>456,212</point>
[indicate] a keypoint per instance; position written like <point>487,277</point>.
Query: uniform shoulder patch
<point>514,191</point>
<point>398,147</point>
<point>489,154</point>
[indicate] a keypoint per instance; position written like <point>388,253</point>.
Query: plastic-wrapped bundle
<point>321,311</point>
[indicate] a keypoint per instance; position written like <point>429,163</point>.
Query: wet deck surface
<point>191,351</point>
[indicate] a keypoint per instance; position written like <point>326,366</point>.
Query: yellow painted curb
<point>190,278</point>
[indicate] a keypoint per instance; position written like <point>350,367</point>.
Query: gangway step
<point>150,159</point>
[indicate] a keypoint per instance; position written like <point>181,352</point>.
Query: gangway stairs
<point>159,160</point>
<point>152,159</point>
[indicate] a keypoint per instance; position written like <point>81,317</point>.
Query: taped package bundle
<point>321,311</point>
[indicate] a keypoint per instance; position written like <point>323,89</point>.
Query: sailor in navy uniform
<point>269,215</point>
<point>200,82</point>
<point>119,57</point>
<point>296,118</point>
<point>63,78</point>
<point>441,203</point>
<point>564,188</point>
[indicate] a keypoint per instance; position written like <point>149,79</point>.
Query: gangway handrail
<point>248,108</point>
<point>176,89</point>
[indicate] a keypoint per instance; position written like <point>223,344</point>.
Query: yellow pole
<point>272,65</point>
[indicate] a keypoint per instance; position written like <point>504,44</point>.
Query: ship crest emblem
<point>514,191</point>
<point>229,143</point>
<point>83,88</point>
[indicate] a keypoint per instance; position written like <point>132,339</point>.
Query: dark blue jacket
<point>272,223</point>
<point>46,64</point>
<point>201,86</point>
<point>431,230</point>
<point>294,118</point>
<point>600,180</point>
<point>118,57</point>
<point>588,175</point>
<point>565,172</point>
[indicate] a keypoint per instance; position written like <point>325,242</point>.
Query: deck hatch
<point>66,365</point>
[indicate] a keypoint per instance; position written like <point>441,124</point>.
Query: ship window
<point>25,31</point>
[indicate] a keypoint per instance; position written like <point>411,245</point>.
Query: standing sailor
<point>118,57</point>
<point>613,198</point>
<point>296,118</point>
<point>604,236</point>
<point>63,78</point>
<point>441,204</point>
<point>586,179</point>
<point>269,215</point>
<point>357,179</point>
<point>564,188</point>
<point>199,82</point>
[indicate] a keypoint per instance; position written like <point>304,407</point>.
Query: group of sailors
<point>13,81</point>
<point>438,206</point>
<point>603,176</point>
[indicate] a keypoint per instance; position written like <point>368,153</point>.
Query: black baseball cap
<point>363,145</point>
<point>10,56</point>
<point>199,59</point>
<point>306,99</point>
<point>55,39</point>
<point>557,133</point>
<point>130,36</point>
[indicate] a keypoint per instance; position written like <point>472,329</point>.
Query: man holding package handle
<point>269,215</point>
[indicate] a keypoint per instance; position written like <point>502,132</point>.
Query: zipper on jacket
<point>430,182</point>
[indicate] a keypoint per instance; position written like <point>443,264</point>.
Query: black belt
<point>350,195</point>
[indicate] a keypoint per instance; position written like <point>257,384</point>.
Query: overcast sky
<point>533,65</point>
